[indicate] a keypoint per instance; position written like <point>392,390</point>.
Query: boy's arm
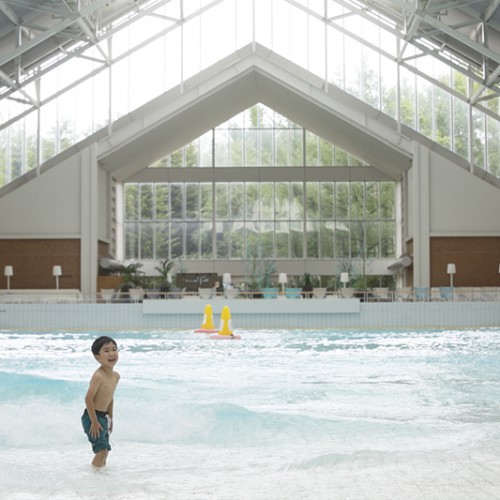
<point>110,416</point>
<point>95,426</point>
<point>110,406</point>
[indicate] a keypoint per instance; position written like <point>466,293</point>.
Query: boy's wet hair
<point>98,343</point>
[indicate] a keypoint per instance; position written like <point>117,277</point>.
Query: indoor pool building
<point>231,151</point>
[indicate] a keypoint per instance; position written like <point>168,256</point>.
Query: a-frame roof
<point>253,74</point>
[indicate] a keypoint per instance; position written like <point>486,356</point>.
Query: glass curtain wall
<point>279,219</point>
<point>177,39</point>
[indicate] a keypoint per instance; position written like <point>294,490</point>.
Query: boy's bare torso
<point>106,385</point>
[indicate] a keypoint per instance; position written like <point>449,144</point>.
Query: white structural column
<point>420,213</point>
<point>88,216</point>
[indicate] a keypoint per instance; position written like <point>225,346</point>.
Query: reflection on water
<point>195,418</point>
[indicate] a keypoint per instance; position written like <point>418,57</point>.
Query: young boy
<point>97,419</point>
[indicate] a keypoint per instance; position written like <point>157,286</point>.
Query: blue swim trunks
<point>102,441</point>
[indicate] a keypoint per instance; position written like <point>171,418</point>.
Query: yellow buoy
<point>208,321</point>
<point>225,322</point>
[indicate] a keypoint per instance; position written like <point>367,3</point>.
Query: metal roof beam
<point>485,51</point>
<point>68,21</point>
<point>9,13</point>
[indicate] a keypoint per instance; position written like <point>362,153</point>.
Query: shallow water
<point>275,415</point>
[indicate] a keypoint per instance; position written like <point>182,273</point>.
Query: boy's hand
<point>110,424</point>
<point>95,429</point>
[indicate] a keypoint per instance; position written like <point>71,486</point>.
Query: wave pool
<point>275,415</point>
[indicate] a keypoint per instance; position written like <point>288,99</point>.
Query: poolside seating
<point>231,293</point>
<point>269,293</point>
<point>404,294</point>
<point>422,293</point>
<point>293,293</point>
<point>319,293</point>
<point>175,293</point>
<point>137,294</point>
<point>347,293</point>
<point>205,293</point>
<point>446,293</point>
<point>107,294</point>
<point>153,293</point>
<point>381,294</point>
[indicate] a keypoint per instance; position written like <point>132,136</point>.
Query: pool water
<point>275,415</point>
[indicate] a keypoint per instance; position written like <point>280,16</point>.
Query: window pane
<point>327,200</point>
<point>312,200</point>
<point>493,146</point>
<point>222,200</point>
<point>357,239</point>
<point>342,201</point>
<point>312,240</point>
<point>388,243</point>
<point>161,241</point>
<point>387,193</point>
<point>267,200</point>
<point>237,240</point>
<point>372,240</point>
<point>206,201</point>
<point>176,205</point>
<point>192,240</point>
<point>131,201</point>
<point>252,200</point>
<point>478,137</point>
<point>221,148</point>
<point>162,209</point>
<point>297,147</point>
<point>236,151</point>
<point>131,240</point>
<point>205,148</point>
<point>326,231</point>
<point>312,149</point>
<point>266,150</point>
<point>282,148</point>
<point>252,239</point>
<point>326,151</point>
<point>192,192</point>
<point>147,244</point>
<point>222,239</point>
<point>251,151</point>
<point>443,118</point>
<point>342,240</point>
<point>460,123</point>
<point>146,201</point>
<point>191,152</point>
<point>296,240</point>
<point>237,200</point>
<point>357,201</point>
<point>206,240</point>
<point>176,240</point>
<point>267,240</point>
<point>282,201</point>
<point>372,199</point>
<point>282,240</point>
<point>296,201</point>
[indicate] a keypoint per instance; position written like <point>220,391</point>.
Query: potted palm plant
<point>266,280</point>
<point>130,281</point>
<point>164,269</point>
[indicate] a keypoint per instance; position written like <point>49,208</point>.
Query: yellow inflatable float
<point>208,321</point>
<point>226,328</point>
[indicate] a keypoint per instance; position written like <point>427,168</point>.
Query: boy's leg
<point>100,458</point>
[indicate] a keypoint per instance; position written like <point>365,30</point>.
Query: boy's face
<point>108,355</point>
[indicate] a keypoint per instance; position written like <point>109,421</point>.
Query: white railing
<point>137,295</point>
